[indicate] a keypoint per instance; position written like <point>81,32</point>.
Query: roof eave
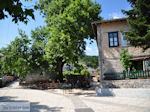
<point>109,21</point>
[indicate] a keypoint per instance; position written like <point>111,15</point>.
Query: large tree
<point>37,50</point>
<point>16,56</point>
<point>16,10</point>
<point>24,55</point>
<point>69,24</point>
<point>139,21</point>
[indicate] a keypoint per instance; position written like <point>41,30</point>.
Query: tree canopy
<point>23,55</point>
<point>139,21</point>
<point>69,23</point>
<point>37,51</point>
<point>16,58</point>
<point>15,9</point>
<point>62,40</point>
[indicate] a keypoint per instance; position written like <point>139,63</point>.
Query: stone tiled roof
<point>110,20</point>
<point>94,24</point>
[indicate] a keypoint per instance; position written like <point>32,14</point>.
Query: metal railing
<point>137,74</point>
<point>128,75</point>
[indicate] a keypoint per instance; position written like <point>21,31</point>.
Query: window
<point>123,40</point>
<point>113,39</point>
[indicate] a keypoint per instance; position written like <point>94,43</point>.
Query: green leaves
<point>16,10</point>
<point>125,59</point>
<point>15,60</point>
<point>139,21</point>
<point>92,61</point>
<point>61,41</point>
<point>23,55</point>
<point>69,23</point>
<point>29,12</point>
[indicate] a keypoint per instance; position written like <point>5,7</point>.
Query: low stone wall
<point>131,83</point>
<point>124,92</point>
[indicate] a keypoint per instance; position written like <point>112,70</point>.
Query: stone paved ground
<point>40,101</point>
<point>74,101</point>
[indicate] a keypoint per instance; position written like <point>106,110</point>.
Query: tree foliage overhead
<point>15,9</point>
<point>37,50</point>
<point>69,23</point>
<point>139,21</point>
<point>61,41</point>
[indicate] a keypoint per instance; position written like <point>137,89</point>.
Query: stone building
<point>111,40</point>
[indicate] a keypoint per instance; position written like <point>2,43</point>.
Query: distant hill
<point>89,61</point>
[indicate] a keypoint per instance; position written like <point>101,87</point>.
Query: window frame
<point>113,39</point>
<point>127,42</point>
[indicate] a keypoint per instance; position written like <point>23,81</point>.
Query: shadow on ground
<point>34,106</point>
<point>86,94</point>
<point>100,92</point>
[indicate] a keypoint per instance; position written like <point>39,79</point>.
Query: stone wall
<point>111,55</point>
<point>132,83</point>
<point>143,93</point>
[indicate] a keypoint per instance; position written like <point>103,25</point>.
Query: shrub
<point>78,78</point>
<point>66,73</point>
<point>125,59</point>
<point>85,72</point>
<point>78,81</point>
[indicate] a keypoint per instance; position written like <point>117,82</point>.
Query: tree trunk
<point>59,69</point>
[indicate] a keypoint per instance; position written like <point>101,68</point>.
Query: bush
<point>66,73</point>
<point>78,81</point>
<point>78,78</point>
<point>85,72</point>
<point>82,71</point>
<point>125,59</point>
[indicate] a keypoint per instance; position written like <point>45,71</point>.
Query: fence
<point>127,75</point>
<point>136,74</point>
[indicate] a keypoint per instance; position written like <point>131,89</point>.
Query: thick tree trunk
<point>59,69</point>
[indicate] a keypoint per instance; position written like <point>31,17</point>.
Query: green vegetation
<point>69,23</point>
<point>139,21</point>
<point>16,10</point>
<point>23,56</point>
<point>85,72</point>
<point>89,61</point>
<point>125,59</point>
<point>16,57</point>
<point>62,40</point>
<point>78,70</point>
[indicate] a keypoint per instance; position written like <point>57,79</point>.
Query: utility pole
<point>100,57</point>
